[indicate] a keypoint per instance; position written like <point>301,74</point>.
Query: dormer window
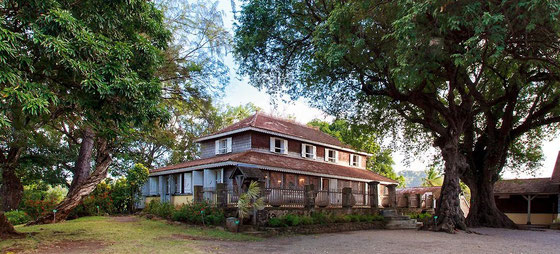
<point>331,155</point>
<point>223,146</point>
<point>278,145</point>
<point>308,151</point>
<point>355,160</point>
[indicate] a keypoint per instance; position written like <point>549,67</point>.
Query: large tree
<point>88,66</point>
<point>477,80</point>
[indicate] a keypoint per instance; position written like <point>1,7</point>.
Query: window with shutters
<point>331,155</point>
<point>308,151</point>
<point>223,146</point>
<point>278,145</point>
<point>354,160</point>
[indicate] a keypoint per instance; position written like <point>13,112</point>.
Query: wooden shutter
<point>285,146</point>
<point>229,144</point>
<point>314,152</point>
<point>217,147</point>
<point>335,156</point>
<point>271,144</point>
<point>303,150</point>
<point>359,161</point>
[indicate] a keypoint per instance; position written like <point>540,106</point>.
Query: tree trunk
<point>450,216</point>
<point>6,229</point>
<point>483,211</point>
<point>73,199</point>
<point>12,189</point>
<point>83,163</point>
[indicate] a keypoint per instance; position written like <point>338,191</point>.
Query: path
<point>401,241</point>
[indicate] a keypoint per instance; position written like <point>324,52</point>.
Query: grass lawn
<point>115,235</point>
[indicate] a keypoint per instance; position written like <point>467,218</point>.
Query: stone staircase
<point>396,221</point>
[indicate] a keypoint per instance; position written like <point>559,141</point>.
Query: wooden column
<point>198,191</point>
<point>392,195</point>
<point>373,188</point>
<point>221,195</point>
<point>309,196</point>
<point>529,198</point>
<point>348,200</point>
<point>161,188</point>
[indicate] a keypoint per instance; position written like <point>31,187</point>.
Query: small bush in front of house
<point>276,222</point>
<point>292,219</point>
<point>420,216</point>
<point>194,213</point>
<point>17,217</point>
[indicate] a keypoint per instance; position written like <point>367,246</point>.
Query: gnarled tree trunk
<point>480,178</point>
<point>6,229</point>
<point>11,191</point>
<point>102,161</point>
<point>83,163</point>
<point>450,216</point>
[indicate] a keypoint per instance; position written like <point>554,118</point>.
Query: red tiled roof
<point>284,162</point>
<point>528,186</point>
<point>556,172</point>
<point>287,127</point>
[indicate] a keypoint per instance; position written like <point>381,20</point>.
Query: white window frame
<point>223,150</point>
<point>327,158</point>
<point>305,154</point>
<point>353,161</point>
<point>283,149</point>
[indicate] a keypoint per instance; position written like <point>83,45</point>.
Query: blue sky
<point>239,92</point>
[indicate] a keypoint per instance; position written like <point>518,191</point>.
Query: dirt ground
<point>488,240</point>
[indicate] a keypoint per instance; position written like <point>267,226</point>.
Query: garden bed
<point>324,228</point>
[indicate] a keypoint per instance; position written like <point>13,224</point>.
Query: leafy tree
<point>88,65</point>
<point>359,138</point>
<point>477,80</point>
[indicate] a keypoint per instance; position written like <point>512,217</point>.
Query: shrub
<point>194,213</point>
<point>40,199</point>
<point>319,218</point>
<point>17,217</point>
<point>306,220</point>
<point>276,222</point>
<point>292,219</point>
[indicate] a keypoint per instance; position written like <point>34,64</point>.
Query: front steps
<point>395,221</point>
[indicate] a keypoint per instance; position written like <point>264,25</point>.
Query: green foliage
<point>420,216</point>
<point>193,213</point>
<point>17,217</point>
<point>320,218</point>
<point>39,199</point>
<point>433,178</point>
<point>250,200</point>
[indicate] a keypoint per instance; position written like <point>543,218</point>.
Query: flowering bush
<point>40,199</point>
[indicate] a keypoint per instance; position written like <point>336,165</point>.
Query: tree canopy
<point>477,80</point>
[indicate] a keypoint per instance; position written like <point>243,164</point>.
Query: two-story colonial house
<point>280,153</point>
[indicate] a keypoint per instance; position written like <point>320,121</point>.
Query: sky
<point>239,92</point>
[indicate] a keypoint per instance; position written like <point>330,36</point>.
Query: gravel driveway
<point>488,240</point>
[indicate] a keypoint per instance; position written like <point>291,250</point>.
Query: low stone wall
<point>325,228</point>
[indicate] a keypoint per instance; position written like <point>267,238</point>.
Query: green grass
<point>141,236</point>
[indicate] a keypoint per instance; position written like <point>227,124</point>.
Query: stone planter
<point>232,224</point>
